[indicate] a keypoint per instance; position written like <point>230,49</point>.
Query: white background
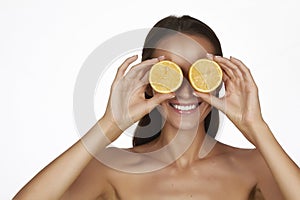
<point>44,43</point>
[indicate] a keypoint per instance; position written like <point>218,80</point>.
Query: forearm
<point>284,170</point>
<point>55,179</point>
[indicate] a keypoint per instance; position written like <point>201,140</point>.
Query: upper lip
<point>176,102</point>
<point>184,103</point>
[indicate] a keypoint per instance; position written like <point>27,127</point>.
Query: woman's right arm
<point>124,108</point>
<point>55,179</point>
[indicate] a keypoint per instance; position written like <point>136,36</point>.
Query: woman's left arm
<point>241,105</point>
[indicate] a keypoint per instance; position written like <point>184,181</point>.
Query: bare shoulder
<point>251,158</point>
<point>247,161</point>
<point>253,164</point>
<point>221,147</point>
<point>241,154</point>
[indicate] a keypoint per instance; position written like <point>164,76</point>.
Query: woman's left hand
<point>240,102</point>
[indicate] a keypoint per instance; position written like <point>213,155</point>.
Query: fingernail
<point>161,58</point>
<point>172,96</point>
<point>195,94</point>
<point>209,56</point>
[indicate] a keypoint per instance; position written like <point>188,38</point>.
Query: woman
<point>182,170</point>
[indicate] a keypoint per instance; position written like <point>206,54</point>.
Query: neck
<point>183,146</point>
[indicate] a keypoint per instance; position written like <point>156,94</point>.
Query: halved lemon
<point>205,75</point>
<point>165,76</point>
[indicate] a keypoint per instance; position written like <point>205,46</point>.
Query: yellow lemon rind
<point>216,85</point>
<point>156,86</point>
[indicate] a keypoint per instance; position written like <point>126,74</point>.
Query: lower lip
<point>185,111</point>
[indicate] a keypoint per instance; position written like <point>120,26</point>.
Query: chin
<point>185,125</point>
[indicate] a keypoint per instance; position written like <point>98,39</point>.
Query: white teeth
<point>184,108</point>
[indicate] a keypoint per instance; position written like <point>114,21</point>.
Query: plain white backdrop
<point>43,45</point>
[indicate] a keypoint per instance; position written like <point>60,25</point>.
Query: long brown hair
<point>149,127</point>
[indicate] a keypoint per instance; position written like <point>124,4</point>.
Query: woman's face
<point>185,111</point>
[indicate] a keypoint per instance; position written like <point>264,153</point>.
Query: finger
<point>229,86</point>
<point>148,62</point>
<point>124,66</point>
<point>234,68</point>
<point>210,99</point>
<point>227,71</point>
<point>140,69</point>
<point>210,56</point>
<point>157,99</point>
<point>225,77</point>
<point>145,78</point>
<point>139,87</point>
<point>244,69</point>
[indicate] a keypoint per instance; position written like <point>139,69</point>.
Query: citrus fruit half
<point>165,76</point>
<point>205,75</point>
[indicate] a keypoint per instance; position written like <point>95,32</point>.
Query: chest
<point>196,183</point>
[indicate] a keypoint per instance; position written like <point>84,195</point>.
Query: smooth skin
<point>225,173</point>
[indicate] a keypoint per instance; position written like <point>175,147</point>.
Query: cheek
<point>204,108</point>
<point>163,109</point>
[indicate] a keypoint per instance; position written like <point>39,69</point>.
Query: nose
<point>185,91</point>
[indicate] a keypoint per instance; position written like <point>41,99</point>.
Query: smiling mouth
<point>185,108</point>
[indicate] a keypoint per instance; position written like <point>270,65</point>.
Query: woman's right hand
<point>127,103</point>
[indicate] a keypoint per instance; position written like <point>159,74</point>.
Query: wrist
<point>109,128</point>
<point>259,131</point>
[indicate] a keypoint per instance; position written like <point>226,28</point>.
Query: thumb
<point>158,98</point>
<point>210,99</point>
